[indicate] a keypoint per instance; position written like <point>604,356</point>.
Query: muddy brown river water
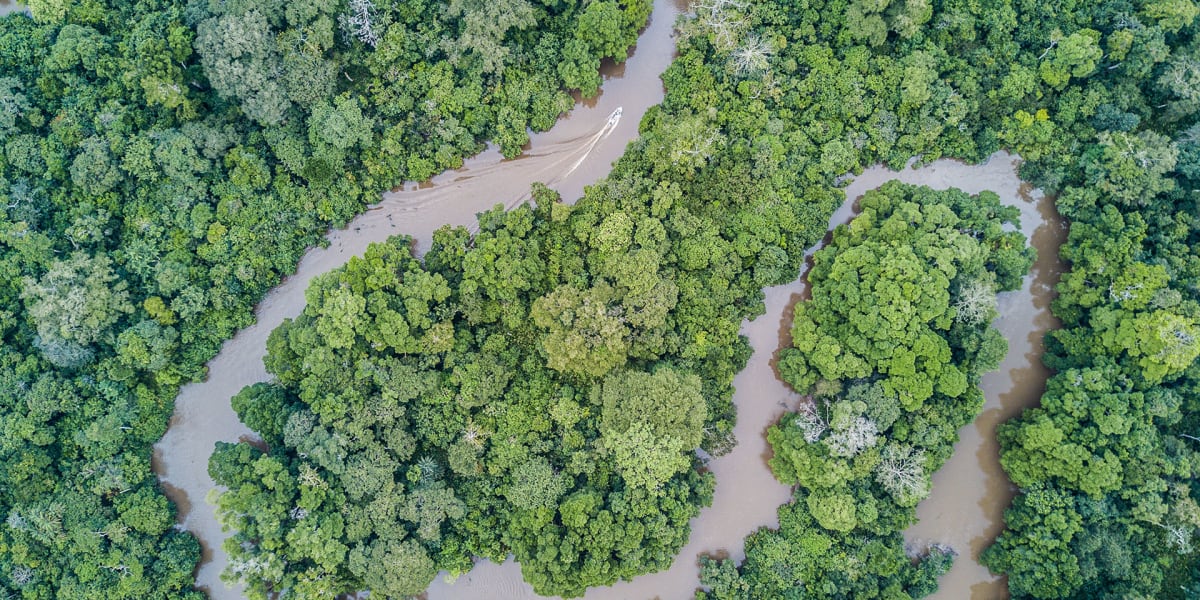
<point>966,507</point>
<point>969,493</point>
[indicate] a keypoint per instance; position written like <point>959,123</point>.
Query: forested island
<point>550,385</point>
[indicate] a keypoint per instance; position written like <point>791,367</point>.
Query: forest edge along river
<point>969,493</point>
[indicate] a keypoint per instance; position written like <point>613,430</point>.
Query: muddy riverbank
<point>576,152</point>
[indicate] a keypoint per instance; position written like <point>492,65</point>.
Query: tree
<point>360,20</point>
<point>393,568</point>
<point>49,11</point>
<point>13,105</point>
<point>651,422</point>
<point>75,304</point>
<point>94,171</point>
<point>901,471</point>
<point>833,510</point>
<point>1074,55</point>
<point>584,334</point>
<point>602,28</point>
<point>1172,15</point>
<point>239,57</point>
<point>752,57</point>
<point>1037,560</point>
<point>535,484</point>
<point>1131,168</point>
<point>975,303</point>
<point>340,124</point>
<point>484,27</point>
<point>723,20</point>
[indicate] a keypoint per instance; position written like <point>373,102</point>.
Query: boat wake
<point>548,165</point>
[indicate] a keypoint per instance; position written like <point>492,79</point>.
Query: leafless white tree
<point>901,471</point>
<point>860,435</point>
<point>1179,536</point>
<point>752,57</point>
<point>16,521</point>
<point>360,22</point>
<point>242,566</point>
<point>810,422</point>
<point>976,303</point>
<point>22,576</point>
<point>723,19</point>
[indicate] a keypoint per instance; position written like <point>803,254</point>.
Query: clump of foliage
<point>890,349</point>
<point>147,152</point>
<point>416,416</point>
<point>1108,463</point>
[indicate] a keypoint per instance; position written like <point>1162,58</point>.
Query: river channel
<point>578,151</point>
<point>969,493</point>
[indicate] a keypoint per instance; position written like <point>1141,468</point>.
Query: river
<point>965,509</point>
<point>8,6</point>
<point>578,151</point>
<point>969,493</point>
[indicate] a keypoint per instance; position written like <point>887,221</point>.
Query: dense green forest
<point>540,388</point>
<point>162,165</point>
<point>1100,98</point>
<point>501,374</point>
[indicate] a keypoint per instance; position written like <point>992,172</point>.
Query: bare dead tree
<point>360,22</point>
<point>810,422</point>
<point>860,435</point>
<point>976,303</point>
<point>1179,536</point>
<point>752,57</point>
<point>901,471</point>
<point>723,19</point>
<point>22,576</point>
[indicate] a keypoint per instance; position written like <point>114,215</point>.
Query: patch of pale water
<point>8,6</point>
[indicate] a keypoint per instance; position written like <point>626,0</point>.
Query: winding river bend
<point>576,152</point>
<point>969,493</point>
<point>966,507</point>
